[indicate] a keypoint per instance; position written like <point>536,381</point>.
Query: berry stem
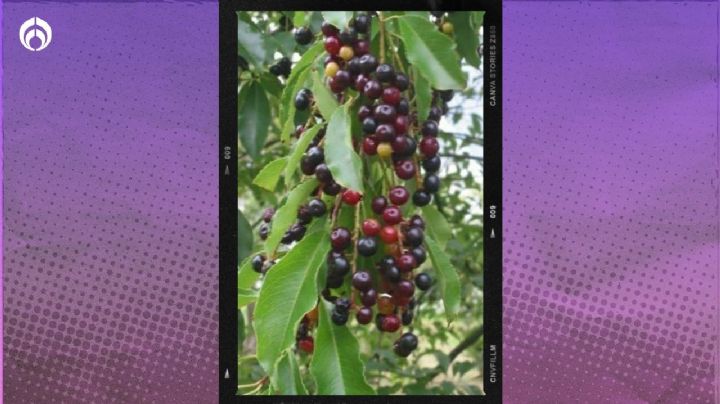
<point>418,181</point>
<point>382,37</point>
<point>356,233</point>
<point>336,209</point>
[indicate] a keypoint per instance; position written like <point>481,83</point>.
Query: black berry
<point>367,246</point>
<point>423,281</point>
<point>385,73</point>
<point>431,183</point>
<point>317,207</point>
<point>303,35</point>
<point>257,262</point>
<point>421,198</point>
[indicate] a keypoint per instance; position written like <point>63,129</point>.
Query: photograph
<point>360,228</point>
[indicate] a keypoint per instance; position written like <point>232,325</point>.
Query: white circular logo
<point>35,34</point>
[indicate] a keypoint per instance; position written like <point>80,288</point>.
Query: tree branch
<point>472,338</point>
<point>461,156</point>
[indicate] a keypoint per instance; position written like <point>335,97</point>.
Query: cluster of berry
<point>389,127</point>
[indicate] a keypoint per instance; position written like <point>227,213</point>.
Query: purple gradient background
<point>610,203</point>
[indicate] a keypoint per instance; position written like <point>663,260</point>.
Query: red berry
<point>379,204</point>
<point>329,29</point>
<point>392,215</point>
<point>389,235</point>
<point>398,195</point>
<point>351,197</point>
<point>429,146</point>
<point>370,146</point>
<point>404,289</point>
<point>405,169</point>
<point>336,86</point>
<point>406,263</point>
<point>390,323</point>
<point>401,124</point>
<point>391,95</point>
<point>371,227</point>
<point>306,344</point>
<point>332,45</point>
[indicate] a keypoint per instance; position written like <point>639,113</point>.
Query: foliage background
<point>435,367</point>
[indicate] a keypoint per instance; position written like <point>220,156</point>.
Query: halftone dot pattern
<point>610,202</point>
<point>110,204</point>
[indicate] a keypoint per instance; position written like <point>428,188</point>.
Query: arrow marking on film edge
<point>227,373</point>
<point>227,169</point>
<point>492,233</point>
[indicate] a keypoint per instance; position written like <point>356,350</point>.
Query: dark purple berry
<point>385,73</point>
<point>421,198</point>
<point>332,188</point>
<point>431,164</point>
<point>257,263</point>
<point>419,254</point>
<point>303,35</point>
<point>402,82</point>
<point>414,236</point>
<point>429,128</point>
<point>367,246</point>
<point>431,183</point>
<point>317,207</point>
<point>423,281</point>
<point>379,204</point>
<point>362,281</point>
<point>323,174</point>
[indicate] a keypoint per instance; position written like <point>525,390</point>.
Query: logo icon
<point>35,34</point>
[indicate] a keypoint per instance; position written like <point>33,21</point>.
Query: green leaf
<point>240,329</point>
<point>269,176</point>
<point>477,18</point>
<point>295,82</point>
<point>336,364</point>
<point>285,216</point>
<point>284,42</point>
<point>423,95</point>
<point>338,18</point>
<point>437,226</point>
<point>340,157</point>
<point>251,43</point>
<point>287,380</point>
<point>466,36</point>
<point>246,297</point>
<point>289,291</point>
<point>299,18</point>
<point>432,52</point>
<point>271,84</point>
<point>447,277</point>
<point>299,149</point>
<point>245,237</point>
<point>253,117</point>
<point>324,98</point>
<point>246,274</point>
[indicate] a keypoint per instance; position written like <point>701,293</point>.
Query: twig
<point>356,233</point>
<point>461,156</point>
<point>382,37</point>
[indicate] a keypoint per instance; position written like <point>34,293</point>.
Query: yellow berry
<point>331,69</point>
<point>385,305</point>
<point>346,52</point>
<point>384,150</point>
<point>447,27</point>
